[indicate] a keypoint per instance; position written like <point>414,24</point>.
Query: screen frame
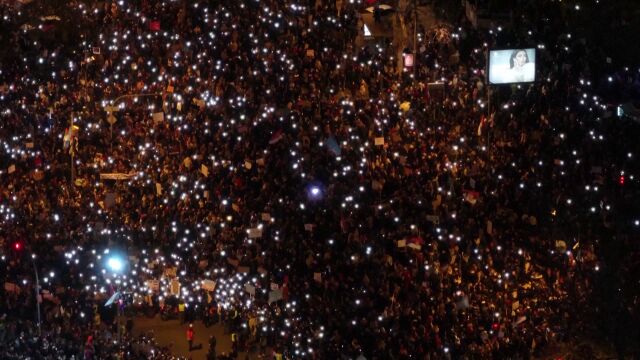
<point>535,69</point>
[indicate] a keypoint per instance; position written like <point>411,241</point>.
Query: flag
<point>471,196</point>
<point>483,120</point>
<point>154,25</point>
<point>415,239</point>
<point>69,136</point>
<point>66,140</point>
<point>277,136</point>
<point>333,146</point>
<point>48,27</point>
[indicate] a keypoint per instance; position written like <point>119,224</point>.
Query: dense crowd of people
<point>342,207</point>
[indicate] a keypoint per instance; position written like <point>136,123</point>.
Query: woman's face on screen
<point>520,59</point>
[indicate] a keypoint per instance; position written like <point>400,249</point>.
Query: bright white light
<point>315,191</point>
<point>115,264</point>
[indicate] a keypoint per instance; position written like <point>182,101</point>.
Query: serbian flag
<point>277,136</point>
<point>48,27</point>
<point>471,196</point>
<point>154,25</point>
<point>483,121</point>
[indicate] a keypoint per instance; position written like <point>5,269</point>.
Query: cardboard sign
<point>317,277</point>
<point>158,117</point>
<point>379,141</point>
<point>255,233</point>
<point>208,285</point>
<point>11,169</point>
<point>116,176</point>
<point>415,246</point>
<point>170,271</point>
<point>175,287</point>
<point>250,289</point>
<point>199,103</point>
<point>561,245</point>
<point>153,285</point>
<point>275,295</point>
<point>402,243</point>
<point>158,189</point>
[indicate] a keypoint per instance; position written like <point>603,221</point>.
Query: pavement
<point>173,334</point>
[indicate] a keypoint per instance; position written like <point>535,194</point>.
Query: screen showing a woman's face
<point>520,59</point>
<point>512,66</point>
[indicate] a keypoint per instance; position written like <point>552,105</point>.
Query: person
<point>211,355</point>
<point>190,335</point>
<point>181,310</point>
<point>521,69</point>
<point>377,14</point>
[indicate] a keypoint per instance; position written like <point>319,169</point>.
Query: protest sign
<point>208,285</point>
<point>153,285</point>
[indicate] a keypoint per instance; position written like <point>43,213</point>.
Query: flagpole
<point>71,150</point>
<point>35,271</point>
<point>488,84</point>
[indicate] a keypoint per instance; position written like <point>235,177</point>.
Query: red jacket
<point>190,333</point>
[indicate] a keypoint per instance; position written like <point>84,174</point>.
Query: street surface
<point>172,333</point>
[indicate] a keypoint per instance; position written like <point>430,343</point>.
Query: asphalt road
<point>173,334</point>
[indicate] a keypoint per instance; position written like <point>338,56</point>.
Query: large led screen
<point>512,66</point>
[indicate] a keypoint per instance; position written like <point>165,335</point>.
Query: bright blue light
<point>115,264</point>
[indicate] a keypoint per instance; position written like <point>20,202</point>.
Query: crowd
<point>335,205</point>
